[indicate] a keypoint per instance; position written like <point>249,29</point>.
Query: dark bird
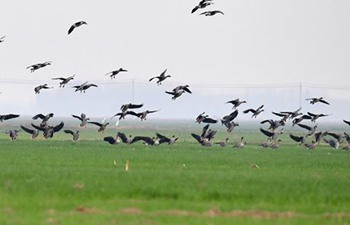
<point>301,118</point>
<point>75,134</point>
<point>271,135</point>
<point>146,140</point>
<point>49,131</point>
<point>201,5</point>
<point>64,80</point>
<point>33,132</point>
<point>83,87</point>
<point>228,121</point>
<point>124,113</point>
<point>38,66</point>
<point>164,139</point>
<point>255,112</point>
<point>314,117</point>
<point>236,102</point>
<point>178,91</point>
<point>203,141</point>
<point>293,114</point>
<point>347,122</point>
<point>8,117</point>
<point>44,118</point>
<point>299,139</point>
<point>13,134</point>
<point>111,140</point>
<point>205,119</point>
<point>143,115</point>
<point>125,107</point>
<point>208,133</point>
<point>115,72</point>
<point>284,116</point>
<point>82,118</point>
<point>211,13</point>
<point>315,100</point>
<point>37,89</point>
<point>124,138</point>
<point>102,126</point>
<point>2,39</point>
<point>75,25</point>
<point>274,124</point>
<point>161,77</point>
<point>311,130</point>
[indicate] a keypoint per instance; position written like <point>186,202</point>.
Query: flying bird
<point>212,13</point>
<point>178,91</point>
<point>33,132</point>
<point>75,25</point>
<point>161,77</point>
<point>64,80</point>
<point>201,5</point>
<point>255,112</point>
<point>164,139</point>
<point>44,118</point>
<point>37,66</point>
<point>83,87</point>
<point>315,100</point>
<point>49,131</point>
<point>37,89</point>
<point>102,126</point>
<point>143,115</point>
<point>75,134</point>
<point>205,119</point>
<point>115,72</point>
<point>82,118</point>
<point>125,107</point>
<point>236,102</point>
<point>7,117</point>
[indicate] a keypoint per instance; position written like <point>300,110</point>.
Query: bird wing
<point>122,136</point>
<point>323,101</point>
<point>58,78</point>
<point>249,110</point>
<point>110,140</point>
<point>71,29</point>
<point>336,136</point>
<point>266,132</point>
<point>187,90</point>
<point>69,132</point>
<point>304,126</point>
<point>78,117</point>
<point>170,92</point>
<point>152,78</point>
<point>281,114</point>
<point>30,131</point>
<point>38,127</point>
<point>209,120</point>
<point>58,127</point>
<point>232,116</point>
<point>347,122</point>
<point>197,137</point>
<point>162,137</point>
<point>10,116</point>
<point>296,138</point>
<point>96,123</point>
<point>195,9</point>
<point>135,106</point>
<point>41,116</point>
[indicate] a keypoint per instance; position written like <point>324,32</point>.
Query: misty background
<point>276,53</point>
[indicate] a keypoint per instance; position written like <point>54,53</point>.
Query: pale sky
<point>259,51</point>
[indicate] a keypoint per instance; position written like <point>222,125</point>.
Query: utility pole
<point>300,92</point>
<point>132,90</point>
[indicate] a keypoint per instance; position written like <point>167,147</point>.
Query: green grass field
<point>57,181</point>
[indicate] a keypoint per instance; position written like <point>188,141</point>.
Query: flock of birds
<point>205,138</point>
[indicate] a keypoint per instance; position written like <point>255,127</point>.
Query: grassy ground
<point>60,182</point>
